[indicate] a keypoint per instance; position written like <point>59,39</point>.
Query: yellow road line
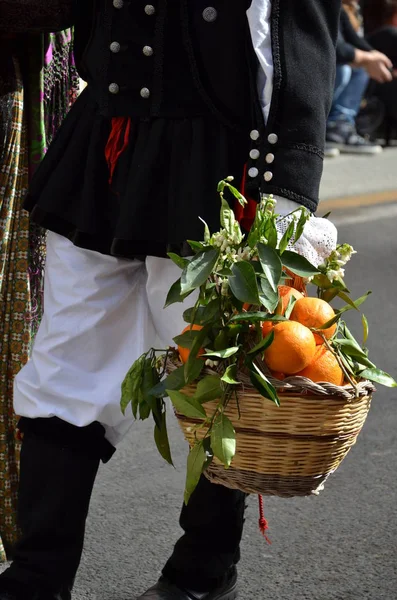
<point>358,201</point>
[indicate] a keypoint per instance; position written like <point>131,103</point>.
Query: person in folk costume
<point>180,95</point>
<point>38,83</point>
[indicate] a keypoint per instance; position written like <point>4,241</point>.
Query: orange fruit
<point>286,293</point>
<point>278,375</point>
<point>267,326</point>
<point>184,353</point>
<point>324,367</point>
<point>313,313</point>
<point>293,348</point>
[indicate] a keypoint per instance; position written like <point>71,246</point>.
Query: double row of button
<point>253,172</point>
<point>116,47</point>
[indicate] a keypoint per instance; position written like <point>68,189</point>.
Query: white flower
<point>333,274</point>
<point>211,363</point>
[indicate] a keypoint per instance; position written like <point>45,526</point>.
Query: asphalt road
<point>338,546</point>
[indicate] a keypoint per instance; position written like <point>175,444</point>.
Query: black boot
<point>59,463</point>
<point>204,558</point>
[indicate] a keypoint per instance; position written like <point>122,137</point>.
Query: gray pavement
<point>349,175</point>
<point>338,546</point>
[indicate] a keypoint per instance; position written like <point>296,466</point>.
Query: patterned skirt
<point>15,330</point>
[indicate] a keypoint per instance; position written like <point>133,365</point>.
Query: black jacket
<point>304,34</point>
<point>348,41</point>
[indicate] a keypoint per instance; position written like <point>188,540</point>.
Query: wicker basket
<point>289,450</point>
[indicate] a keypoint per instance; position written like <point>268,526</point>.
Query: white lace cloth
<point>319,238</point>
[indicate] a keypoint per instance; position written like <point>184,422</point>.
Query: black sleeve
<point>304,38</point>
<point>345,53</point>
<point>350,35</point>
<point>22,16</point>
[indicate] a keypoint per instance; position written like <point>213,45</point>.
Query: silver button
<point>272,138</point>
<point>269,158</point>
<point>115,47</point>
<point>254,135</point>
<point>118,3</point>
<point>268,176</point>
<point>255,154</point>
<point>149,9</point>
<point>145,93</point>
<point>147,51</point>
<point>253,172</point>
<point>114,88</point>
<point>210,14</point>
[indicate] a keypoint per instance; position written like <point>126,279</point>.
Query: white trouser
<point>101,313</point>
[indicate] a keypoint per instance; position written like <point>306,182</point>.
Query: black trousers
<point>59,463</point>
<point>213,525</point>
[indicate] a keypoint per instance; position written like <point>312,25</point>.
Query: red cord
<point>117,143</point>
<point>263,524</point>
<point>245,215</point>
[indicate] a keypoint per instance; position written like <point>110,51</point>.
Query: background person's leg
<point>348,96</point>
<point>213,520</point>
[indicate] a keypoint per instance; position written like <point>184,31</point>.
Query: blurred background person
<point>380,18</point>
<point>357,63</point>
<point>38,82</point>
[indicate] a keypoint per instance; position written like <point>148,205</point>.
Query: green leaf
<point>263,344</point>
<point>203,314</point>
<point>301,224</point>
<point>195,465</point>
<point>223,440</point>
<point>144,410</point>
<point>174,381</point>
<point>161,439</point>
<point>227,353</point>
<point>237,194</point>
<point>379,377</point>
<point>271,234</point>
<point>271,265</point>
<point>269,298</point>
<point>262,384</point>
<point>196,246</point>
<point>131,387</point>
<point>365,328</point>
<point>178,260</point>
<point>186,405</point>
<point>207,233</point>
<point>198,270</point>
<point>209,388</point>
<point>230,375</point>
<point>298,264</point>
<point>227,217</point>
<point>243,283</point>
<point>190,365</point>
<point>288,235</point>
<point>331,322</point>
<point>254,317</point>
<point>175,294</point>
<point>221,341</point>
<point>346,298</point>
<point>351,348</point>
<point>290,307</point>
<point>194,371</point>
<point>187,339</point>
<point>354,303</point>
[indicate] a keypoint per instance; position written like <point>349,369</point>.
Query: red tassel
<point>19,435</point>
<point>245,215</point>
<point>263,524</point>
<point>117,143</point>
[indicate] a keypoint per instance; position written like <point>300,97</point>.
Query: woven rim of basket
<point>292,385</point>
